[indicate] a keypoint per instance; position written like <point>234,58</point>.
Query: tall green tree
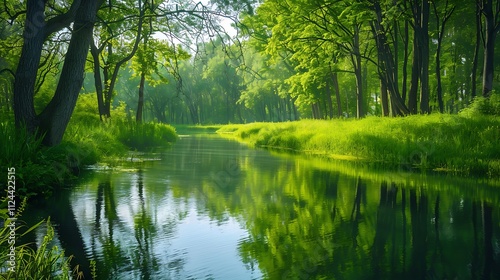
<point>118,40</point>
<point>442,16</point>
<point>490,10</point>
<point>52,121</point>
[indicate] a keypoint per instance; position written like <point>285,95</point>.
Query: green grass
<point>40,170</point>
<point>459,143</point>
<point>44,262</point>
<point>145,135</point>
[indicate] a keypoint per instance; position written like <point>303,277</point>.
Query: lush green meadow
<point>467,143</point>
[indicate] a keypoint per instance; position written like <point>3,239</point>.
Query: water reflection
<point>214,209</point>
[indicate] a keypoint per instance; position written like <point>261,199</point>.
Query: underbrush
<point>468,143</point>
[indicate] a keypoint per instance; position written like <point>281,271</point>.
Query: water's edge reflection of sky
<point>210,208</point>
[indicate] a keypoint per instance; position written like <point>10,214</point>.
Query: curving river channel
<point>210,208</point>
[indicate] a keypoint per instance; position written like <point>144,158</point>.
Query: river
<point>211,208</point>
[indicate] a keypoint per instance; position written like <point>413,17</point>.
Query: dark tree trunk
<point>416,55</point>
<point>27,68</point>
<point>386,67</point>
<point>439,89</point>
<point>491,14</point>
<point>476,53</point>
<point>195,119</point>
<point>55,117</point>
<point>97,78</point>
<point>440,27</point>
<point>415,75</point>
<point>110,82</point>
<point>384,99</point>
<point>424,58</point>
<point>396,47</point>
<point>405,63</point>
<point>52,122</point>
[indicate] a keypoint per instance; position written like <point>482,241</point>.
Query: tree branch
<point>9,71</point>
<point>61,21</point>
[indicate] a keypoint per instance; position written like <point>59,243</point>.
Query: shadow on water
<point>214,209</point>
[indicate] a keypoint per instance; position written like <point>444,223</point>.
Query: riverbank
<point>462,143</point>
<point>41,170</point>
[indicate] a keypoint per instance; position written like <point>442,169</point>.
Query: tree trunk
<point>52,122</point>
<point>97,78</point>
<point>27,68</point>
<point>439,90</point>
<point>110,82</point>
<point>440,30</point>
<point>356,58</point>
<point>55,117</point>
<point>424,58</point>
<point>386,67</point>
<point>416,55</point>
<point>476,53</point>
<point>440,27</point>
<point>140,102</point>
<point>492,28</point>
<point>335,82</point>
<point>405,63</point>
<point>384,99</point>
<point>329,99</point>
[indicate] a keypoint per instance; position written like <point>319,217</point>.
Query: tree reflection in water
<point>279,217</point>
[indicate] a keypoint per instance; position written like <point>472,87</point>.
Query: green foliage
<point>440,142</point>
<point>144,135</point>
<point>44,262</point>
<point>484,106</point>
<point>154,54</point>
<point>39,169</point>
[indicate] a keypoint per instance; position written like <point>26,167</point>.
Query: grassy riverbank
<point>457,143</point>
<point>40,170</point>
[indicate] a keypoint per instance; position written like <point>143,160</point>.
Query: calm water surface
<point>209,208</point>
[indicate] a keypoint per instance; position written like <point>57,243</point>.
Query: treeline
<point>298,59</point>
<point>175,63</point>
<point>379,57</point>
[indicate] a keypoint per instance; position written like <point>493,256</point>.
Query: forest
<point>103,85</point>
<point>238,62</point>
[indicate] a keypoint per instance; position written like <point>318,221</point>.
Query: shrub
<point>144,135</point>
<point>484,106</point>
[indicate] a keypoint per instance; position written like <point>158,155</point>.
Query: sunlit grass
<point>40,169</point>
<point>145,135</point>
<point>447,142</point>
